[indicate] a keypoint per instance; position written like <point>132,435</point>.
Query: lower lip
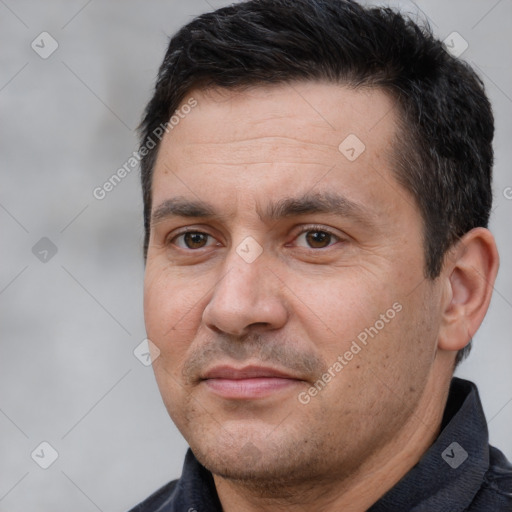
<point>257,387</point>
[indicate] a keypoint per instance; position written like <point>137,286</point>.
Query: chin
<point>258,460</point>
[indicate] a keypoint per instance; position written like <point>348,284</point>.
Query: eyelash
<point>306,229</point>
<point>321,229</point>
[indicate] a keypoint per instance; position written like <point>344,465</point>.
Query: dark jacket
<point>459,473</point>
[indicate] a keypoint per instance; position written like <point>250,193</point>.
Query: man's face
<point>284,283</point>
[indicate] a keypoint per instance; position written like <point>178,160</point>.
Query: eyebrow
<point>309,203</point>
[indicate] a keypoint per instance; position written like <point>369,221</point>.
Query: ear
<point>469,273</point>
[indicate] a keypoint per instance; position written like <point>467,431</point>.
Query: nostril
<point>259,325</point>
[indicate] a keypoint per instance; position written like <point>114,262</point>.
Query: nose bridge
<point>243,279</point>
<point>244,295</point>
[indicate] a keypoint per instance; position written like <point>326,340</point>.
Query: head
<point>332,167</point>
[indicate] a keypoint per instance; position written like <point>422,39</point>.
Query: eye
<point>316,239</point>
<point>193,240</point>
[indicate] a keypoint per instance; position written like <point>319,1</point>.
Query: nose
<point>248,296</point>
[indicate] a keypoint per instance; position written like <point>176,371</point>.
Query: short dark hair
<point>443,149</point>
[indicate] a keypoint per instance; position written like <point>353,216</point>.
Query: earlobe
<point>469,273</point>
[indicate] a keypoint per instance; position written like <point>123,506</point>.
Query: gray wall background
<point>69,323</point>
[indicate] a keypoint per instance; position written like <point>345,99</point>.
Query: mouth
<point>249,382</point>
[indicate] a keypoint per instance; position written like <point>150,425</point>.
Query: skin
<point>303,301</point>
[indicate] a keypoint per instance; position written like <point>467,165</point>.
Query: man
<point>317,187</point>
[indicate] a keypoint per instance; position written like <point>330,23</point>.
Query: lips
<point>250,382</point>
<point>248,372</point>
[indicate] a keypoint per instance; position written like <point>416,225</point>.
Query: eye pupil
<point>318,238</point>
<point>194,240</point>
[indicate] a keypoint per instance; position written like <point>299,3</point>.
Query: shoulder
<point>496,490</point>
<point>159,501</point>
<point>194,490</point>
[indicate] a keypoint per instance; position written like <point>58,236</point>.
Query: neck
<point>358,490</point>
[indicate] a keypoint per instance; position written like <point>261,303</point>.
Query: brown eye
<point>316,239</point>
<point>193,240</point>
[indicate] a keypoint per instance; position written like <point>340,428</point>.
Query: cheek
<point>368,330</point>
<point>171,324</point>
<point>158,308</point>
<point>171,311</point>
<point>344,304</point>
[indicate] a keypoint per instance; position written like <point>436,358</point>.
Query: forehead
<point>304,108</point>
<point>272,140</point>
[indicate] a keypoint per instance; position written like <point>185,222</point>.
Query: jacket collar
<point>450,473</point>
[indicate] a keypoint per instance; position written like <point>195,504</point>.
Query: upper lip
<point>247,372</point>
